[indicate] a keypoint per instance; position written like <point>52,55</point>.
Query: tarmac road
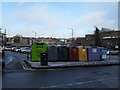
<point>79,77</point>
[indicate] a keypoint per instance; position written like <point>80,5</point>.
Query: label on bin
<point>94,50</point>
<point>104,56</point>
<point>83,50</point>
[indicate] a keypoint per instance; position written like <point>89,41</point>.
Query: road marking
<point>23,66</point>
<point>29,68</point>
<point>70,84</point>
<point>52,86</point>
<point>45,69</point>
<point>26,67</point>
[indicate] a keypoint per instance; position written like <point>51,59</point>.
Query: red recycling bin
<point>73,53</point>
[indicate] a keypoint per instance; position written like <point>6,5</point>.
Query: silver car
<point>25,49</point>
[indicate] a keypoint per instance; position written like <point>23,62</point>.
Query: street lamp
<point>72,33</point>
<point>35,35</point>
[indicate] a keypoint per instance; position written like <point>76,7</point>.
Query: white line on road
<point>53,86</point>
<point>25,66</point>
<point>70,84</point>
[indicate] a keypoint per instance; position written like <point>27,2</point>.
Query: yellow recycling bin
<point>82,53</point>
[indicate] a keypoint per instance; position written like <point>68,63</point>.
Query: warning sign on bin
<point>94,50</point>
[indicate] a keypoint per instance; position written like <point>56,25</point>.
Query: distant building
<point>109,39</point>
<point>105,30</point>
<point>31,40</point>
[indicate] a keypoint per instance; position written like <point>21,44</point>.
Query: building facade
<point>109,39</point>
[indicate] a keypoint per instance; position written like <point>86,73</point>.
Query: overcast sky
<point>52,19</point>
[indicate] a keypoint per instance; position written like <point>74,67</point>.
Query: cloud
<point>47,19</point>
<point>94,18</point>
<point>0,14</point>
<point>37,14</point>
<point>60,0</point>
<point>97,18</point>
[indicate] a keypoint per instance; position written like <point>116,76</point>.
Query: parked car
<point>8,48</point>
<point>17,49</point>
<point>113,52</point>
<point>108,52</point>
<point>25,49</point>
<point>13,48</point>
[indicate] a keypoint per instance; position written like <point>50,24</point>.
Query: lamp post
<point>35,35</point>
<point>72,33</point>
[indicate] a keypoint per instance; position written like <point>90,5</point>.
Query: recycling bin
<point>73,53</point>
<point>44,59</point>
<point>103,54</point>
<point>82,53</point>
<point>63,53</point>
<point>36,49</point>
<point>53,53</point>
<point>94,53</point>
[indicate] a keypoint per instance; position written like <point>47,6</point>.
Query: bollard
<point>44,59</point>
<point>27,56</point>
<point>3,54</point>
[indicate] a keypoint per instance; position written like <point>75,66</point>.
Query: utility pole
<point>0,30</point>
<point>72,35</point>
<point>5,38</point>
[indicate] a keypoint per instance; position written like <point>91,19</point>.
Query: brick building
<point>109,39</point>
<point>30,40</point>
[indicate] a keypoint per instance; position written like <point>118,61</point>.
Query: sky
<point>56,19</point>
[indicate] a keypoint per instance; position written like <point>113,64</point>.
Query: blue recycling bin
<point>94,53</point>
<point>103,54</point>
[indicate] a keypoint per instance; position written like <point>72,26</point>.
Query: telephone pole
<point>5,38</point>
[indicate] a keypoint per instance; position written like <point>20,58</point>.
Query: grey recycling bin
<point>52,53</point>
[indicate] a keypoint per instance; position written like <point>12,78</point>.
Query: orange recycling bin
<point>82,53</point>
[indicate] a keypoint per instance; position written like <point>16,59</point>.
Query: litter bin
<point>38,48</point>
<point>52,53</point>
<point>44,59</point>
<point>73,53</point>
<point>93,53</point>
<point>82,53</point>
<point>63,53</point>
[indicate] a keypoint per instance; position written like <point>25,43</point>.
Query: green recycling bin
<point>38,48</point>
<point>63,53</point>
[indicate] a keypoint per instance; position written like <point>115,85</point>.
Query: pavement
<point>37,65</point>
<point>18,61</point>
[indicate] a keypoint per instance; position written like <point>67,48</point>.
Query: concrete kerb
<point>68,66</point>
